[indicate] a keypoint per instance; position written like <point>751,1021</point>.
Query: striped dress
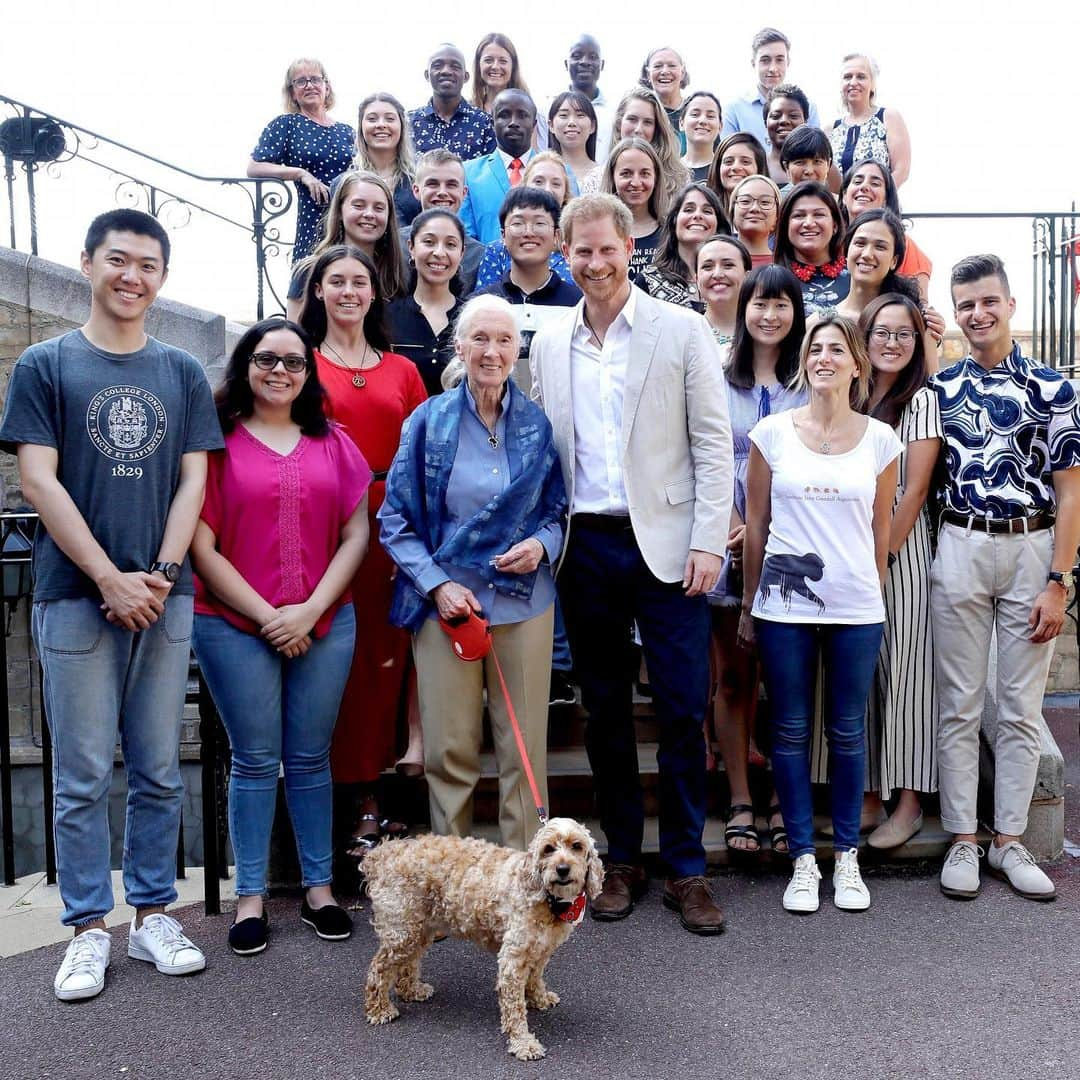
<point>902,713</point>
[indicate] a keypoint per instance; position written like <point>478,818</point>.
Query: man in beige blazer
<point>635,393</point>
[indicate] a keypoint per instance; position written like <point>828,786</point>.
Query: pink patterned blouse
<point>278,517</point>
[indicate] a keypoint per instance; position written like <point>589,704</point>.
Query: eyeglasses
<point>766,202</point>
<point>309,80</point>
<point>267,361</point>
<point>882,336</point>
<point>519,227</point>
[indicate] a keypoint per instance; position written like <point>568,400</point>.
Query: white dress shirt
<point>597,381</point>
<point>508,158</point>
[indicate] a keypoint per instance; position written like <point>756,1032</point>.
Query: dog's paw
<point>526,1048</point>
<point>383,1015</point>
<point>420,991</point>
<point>547,1000</point>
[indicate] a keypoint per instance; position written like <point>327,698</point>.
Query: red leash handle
<point>541,813</point>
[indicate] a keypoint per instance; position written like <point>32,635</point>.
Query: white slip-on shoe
<point>801,895</point>
<point>960,872</point>
<point>1014,863</point>
<point>82,973</point>
<point>161,941</point>
<point>849,890</point>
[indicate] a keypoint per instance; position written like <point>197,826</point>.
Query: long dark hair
<point>580,101</point>
<point>896,228</point>
<point>418,224</point>
<point>892,197</point>
<point>313,310</point>
<point>784,253</point>
<point>667,256</point>
<point>234,399</point>
<point>914,376</point>
<point>735,139</point>
<point>770,283</point>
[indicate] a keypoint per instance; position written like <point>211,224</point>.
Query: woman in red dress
<point>371,391</point>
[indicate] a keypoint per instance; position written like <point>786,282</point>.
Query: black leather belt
<point>380,475</point>
<point>1041,520</point>
<point>609,523</point>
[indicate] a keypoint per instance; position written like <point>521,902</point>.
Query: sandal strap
<point>738,808</point>
<point>743,832</point>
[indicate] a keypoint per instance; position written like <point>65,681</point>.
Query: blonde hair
<point>286,91</point>
<point>404,167</point>
<point>875,71</point>
<point>592,207</point>
<point>548,156</point>
<point>859,394</point>
<point>746,179</point>
<point>673,175</point>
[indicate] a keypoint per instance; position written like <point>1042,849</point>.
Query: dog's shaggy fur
<point>499,898</point>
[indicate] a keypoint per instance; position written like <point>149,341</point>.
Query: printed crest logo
<point>126,423</point>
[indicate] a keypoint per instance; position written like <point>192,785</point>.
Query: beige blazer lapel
<point>644,338</point>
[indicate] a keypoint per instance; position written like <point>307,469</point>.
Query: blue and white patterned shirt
<point>468,133</point>
<point>1006,430</point>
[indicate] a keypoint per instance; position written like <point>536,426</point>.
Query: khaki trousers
<point>451,712</point>
<point>983,583</point>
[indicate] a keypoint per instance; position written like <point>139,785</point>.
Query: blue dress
<point>293,140</point>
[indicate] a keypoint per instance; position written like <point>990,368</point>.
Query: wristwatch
<point>1064,579</point>
<point>171,570</point>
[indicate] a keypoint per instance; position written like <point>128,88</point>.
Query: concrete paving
<point>918,986</point>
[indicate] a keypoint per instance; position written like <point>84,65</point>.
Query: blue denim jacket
<point>416,489</point>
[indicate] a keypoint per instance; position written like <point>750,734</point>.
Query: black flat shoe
<point>331,923</point>
<point>248,936</point>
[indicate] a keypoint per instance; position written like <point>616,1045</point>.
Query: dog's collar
<point>568,911</point>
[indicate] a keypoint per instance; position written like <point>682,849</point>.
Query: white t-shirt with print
<point>819,558</point>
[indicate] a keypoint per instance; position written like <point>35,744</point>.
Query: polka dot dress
<point>325,152</point>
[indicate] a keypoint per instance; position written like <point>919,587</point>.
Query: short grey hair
<point>485,304</point>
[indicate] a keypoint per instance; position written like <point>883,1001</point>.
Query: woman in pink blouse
<point>282,531</point>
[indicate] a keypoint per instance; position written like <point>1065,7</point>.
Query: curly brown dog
<point>520,904</point>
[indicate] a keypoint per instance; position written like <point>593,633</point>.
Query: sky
<point>986,90</point>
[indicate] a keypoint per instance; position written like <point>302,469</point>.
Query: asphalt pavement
<point>918,986</point>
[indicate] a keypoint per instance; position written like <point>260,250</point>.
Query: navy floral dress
<point>325,152</point>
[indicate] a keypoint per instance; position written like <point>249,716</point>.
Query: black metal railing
<point>32,140</point>
<point>1055,278</point>
<point>16,533</point>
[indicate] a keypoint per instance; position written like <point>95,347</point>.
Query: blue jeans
<point>605,586</point>
<point>789,659</point>
<point>100,678</point>
<point>277,712</point>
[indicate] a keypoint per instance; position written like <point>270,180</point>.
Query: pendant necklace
<point>358,379</point>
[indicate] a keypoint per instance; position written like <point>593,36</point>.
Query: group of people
<point>719,456</point>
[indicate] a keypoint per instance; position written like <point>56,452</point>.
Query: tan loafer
<point>894,833</point>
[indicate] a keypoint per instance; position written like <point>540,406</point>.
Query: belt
<point>609,523</point>
<point>377,476</point>
<point>1042,520</point>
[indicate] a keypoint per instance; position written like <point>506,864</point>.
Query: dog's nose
<point>563,869</point>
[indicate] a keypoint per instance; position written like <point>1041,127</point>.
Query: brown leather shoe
<point>698,911</point>
<point>623,885</point>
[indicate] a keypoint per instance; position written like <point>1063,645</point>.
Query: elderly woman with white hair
<point>473,517</point>
<point>866,130</point>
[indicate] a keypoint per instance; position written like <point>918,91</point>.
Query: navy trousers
<point>605,587</point>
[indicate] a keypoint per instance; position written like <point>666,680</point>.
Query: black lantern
<point>16,552</point>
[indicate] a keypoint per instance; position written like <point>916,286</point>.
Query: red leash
<point>471,639</point>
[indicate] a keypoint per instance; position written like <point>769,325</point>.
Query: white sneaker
<point>801,895</point>
<point>960,872</point>
<point>161,941</point>
<point>1014,864</point>
<point>82,974</point>
<point>849,890</point>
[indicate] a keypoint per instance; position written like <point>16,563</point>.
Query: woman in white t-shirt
<point>820,487</point>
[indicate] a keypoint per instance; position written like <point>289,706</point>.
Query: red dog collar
<point>571,911</point>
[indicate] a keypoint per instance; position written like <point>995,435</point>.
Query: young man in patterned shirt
<point>1008,541</point>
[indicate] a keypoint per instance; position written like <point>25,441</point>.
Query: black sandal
<point>741,832</point>
<point>393,830</point>
<point>777,833</point>
<point>360,843</point>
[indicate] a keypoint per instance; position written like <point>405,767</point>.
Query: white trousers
<point>983,583</point>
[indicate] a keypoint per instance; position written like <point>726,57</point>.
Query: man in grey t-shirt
<point>111,429</point>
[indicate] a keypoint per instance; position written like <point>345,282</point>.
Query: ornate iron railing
<point>32,140</point>
<point>1055,277</point>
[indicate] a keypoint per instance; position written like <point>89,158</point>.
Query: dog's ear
<point>529,872</point>
<point>594,871</point>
